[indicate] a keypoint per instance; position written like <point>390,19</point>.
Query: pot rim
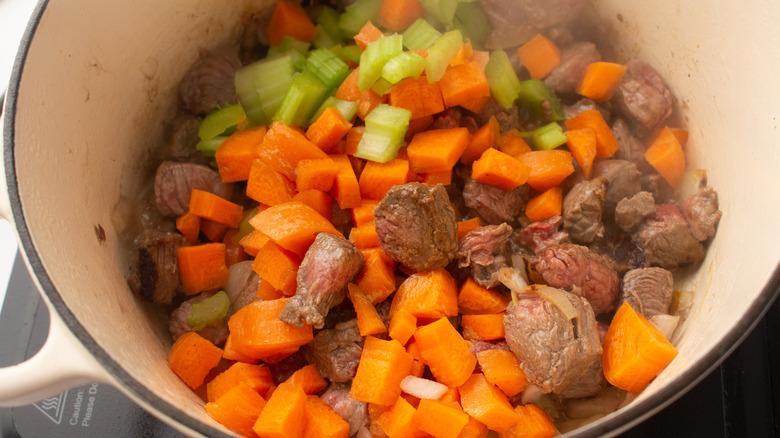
<point>632,414</point>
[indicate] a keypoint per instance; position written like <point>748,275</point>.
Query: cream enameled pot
<point>93,81</point>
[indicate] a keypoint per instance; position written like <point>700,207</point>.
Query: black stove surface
<point>741,398</point>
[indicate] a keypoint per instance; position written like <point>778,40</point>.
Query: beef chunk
<point>660,189</point>
<point>539,235</point>
<point>336,351</point>
<point>617,248</point>
<point>283,369</point>
<point>540,13</point>
<point>582,209</point>
<point>666,239</point>
<point>211,82</point>
<point>417,227</point>
<point>701,211</point>
<point>352,411</point>
<point>554,351</point>
<point>469,123</point>
<point>623,179</point>
<point>575,58</point>
<point>328,266</point>
<point>642,97</point>
<point>216,333</point>
<point>579,270</point>
<point>484,251</point>
<point>631,149</point>
<point>630,212</point>
<point>182,139</point>
<point>341,219</point>
<point>507,118</point>
<point>173,184</point>
<point>154,271</point>
<point>494,205</point>
<point>589,384</point>
<point>447,120</point>
<point>246,295</point>
<point>648,290</point>
<point>585,104</point>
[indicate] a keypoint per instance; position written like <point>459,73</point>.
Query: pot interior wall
<point>101,76</point>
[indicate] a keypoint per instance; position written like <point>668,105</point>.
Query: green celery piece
<point>441,10</point>
<point>381,86</point>
<point>533,93</point>
<point>384,133</point>
<point>261,86</point>
<point>374,58</point>
<point>219,121</point>
<point>352,53</point>
<point>328,21</point>
<point>208,312</point>
<point>328,67</point>
<point>323,40</point>
<point>347,109</point>
<point>420,35</point>
<point>441,53</point>
<point>504,84</point>
<point>289,44</point>
<point>305,95</point>
<point>402,66</point>
<point>244,228</point>
<point>473,22</point>
<point>357,14</point>
<point>548,137</point>
<point>209,147</point>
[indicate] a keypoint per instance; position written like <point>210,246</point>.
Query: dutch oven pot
<point>93,82</point>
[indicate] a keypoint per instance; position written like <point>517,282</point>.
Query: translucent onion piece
<point>693,180</point>
<point>363,432</point>
<point>512,278</point>
<point>238,273</point>
<point>558,298</point>
<point>666,324</point>
<point>423,388</point>
<point>531,394</point>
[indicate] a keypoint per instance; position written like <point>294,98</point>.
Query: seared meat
<point>631,149</point>
<point>579,270</point>
<point>283,369</point>
<point>666,239</point>
<point>352,411</point>
<point>582,209</point>
<point>469,123</point>
<point>660,189</point>
<point>540,13</point>
<point>506,118</point>
<point>447,120</point>
<point>495,205</point>
<point>182,140</point>
<point>417,227</point>
<point>642,97</point>
<point>154,272</point>
<point>336,351</point>
<point>648,291</point>
<point>575,58</point>
<point>701,211</point>
<point>630,212</point>
<point>216,333</point>
<point>623,179</point>
<point>617,248</point>
<point>484,251</point>
<point>554,351</point>
<point>211,82</point>
<point>539,235</point>
<point>341,219</point>
<point>589,384</point>
<point>246,295</point>
<point>173,184</point>
<point>585,104</point>
<point>328,266</point>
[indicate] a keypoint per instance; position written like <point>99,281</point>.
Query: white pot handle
<point>62,363</point>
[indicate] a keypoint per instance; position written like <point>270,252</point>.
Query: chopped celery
<point>289,44</point>
<point>473,22</point>
<point>328,22</point>
<point>403,65</point>
<point>323,40</point>
<point>305,95</point>
<point>420,35</point>
<point>351,53</point>
<point>244,228</point>
<point>328,67</point>
<point>504,84</point>
<point>357,14</point>
<point>381,86</point>
<point>441,53</point>
<point>548,137</point>
<point>209,311</point>
<point>347,109</point>
<point>209,147</point>
<point>374,58</point>
<point>261,86</point>
<point>384,133</point>
<point>533,93</point>
<point>219,121</point>
<point>441,10</point>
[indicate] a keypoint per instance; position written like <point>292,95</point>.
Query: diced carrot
<point>289,19</point>
<point>437,150</point>
<point>452,396</point>
<point>309,379</point>
<point>267,186</point>
<point>442,420</point>
<point>398,421</point>
<point>364,213</point>
<point>548,168</point>
<point>463,83</point>
<point>354,135</point>
<point>464,55</point>
<point>606,143</point>
<point>328,129</point>
<point>367,35</point>
<point>601,80</point>
<point>512,143</point>
<point>192,357</point>
<point>320,201</point>
<point>212,207</point>
<point>278,267</point>
<point>533,423</point>
<point>418,369</point>
<point>465,227</point>
<point>375,413</point>
<point>482,140</point>
<point>257,377</point>
<point>481,57</point>
<point>445,352</point>
<point>237,409</point>
<point>368,320</point>
<point>428,295</point>
<point>667,157</point>
<point>397,15</point>
<point>487,404</point>
<point>214,231</point>
<point>545,206</point>
<point>483,327</point>
<point>502,368</point>
<point>230,353</point>
<point>474,429</point>
<point>539,56</point>
<point>377,279</point>
<point>258,332</point>
<point>414,401</point>
<point>234,156</point>
<point>419,96</point>
<point>476,105</point>
<point>413,349</point>
<point>382,366</point>
<point>474,299</point>
<point>346,189</point>
<point>377,178</point>
<point>444,178</point>
<point>419,124</point>
<point>189,226</point>
<point>402,326</point>
<point>316,174</point>
<point>283,147</point>
<point>292,225</point>
<point>253,242</point>
<point>284,416</point>
<point>322,421</point>
<point>234,252</point>
<point>349,90</point>
<point>500,170</point>
<point>202,267</point>
<point>582,144</point>
<point>681,135</point>
<point>266,291</point>
<point>364,236</point>
<point>634,351</point>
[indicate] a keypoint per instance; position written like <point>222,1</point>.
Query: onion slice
<point>666,324</point>
<point>423,388</point>
<point>558,298</point>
